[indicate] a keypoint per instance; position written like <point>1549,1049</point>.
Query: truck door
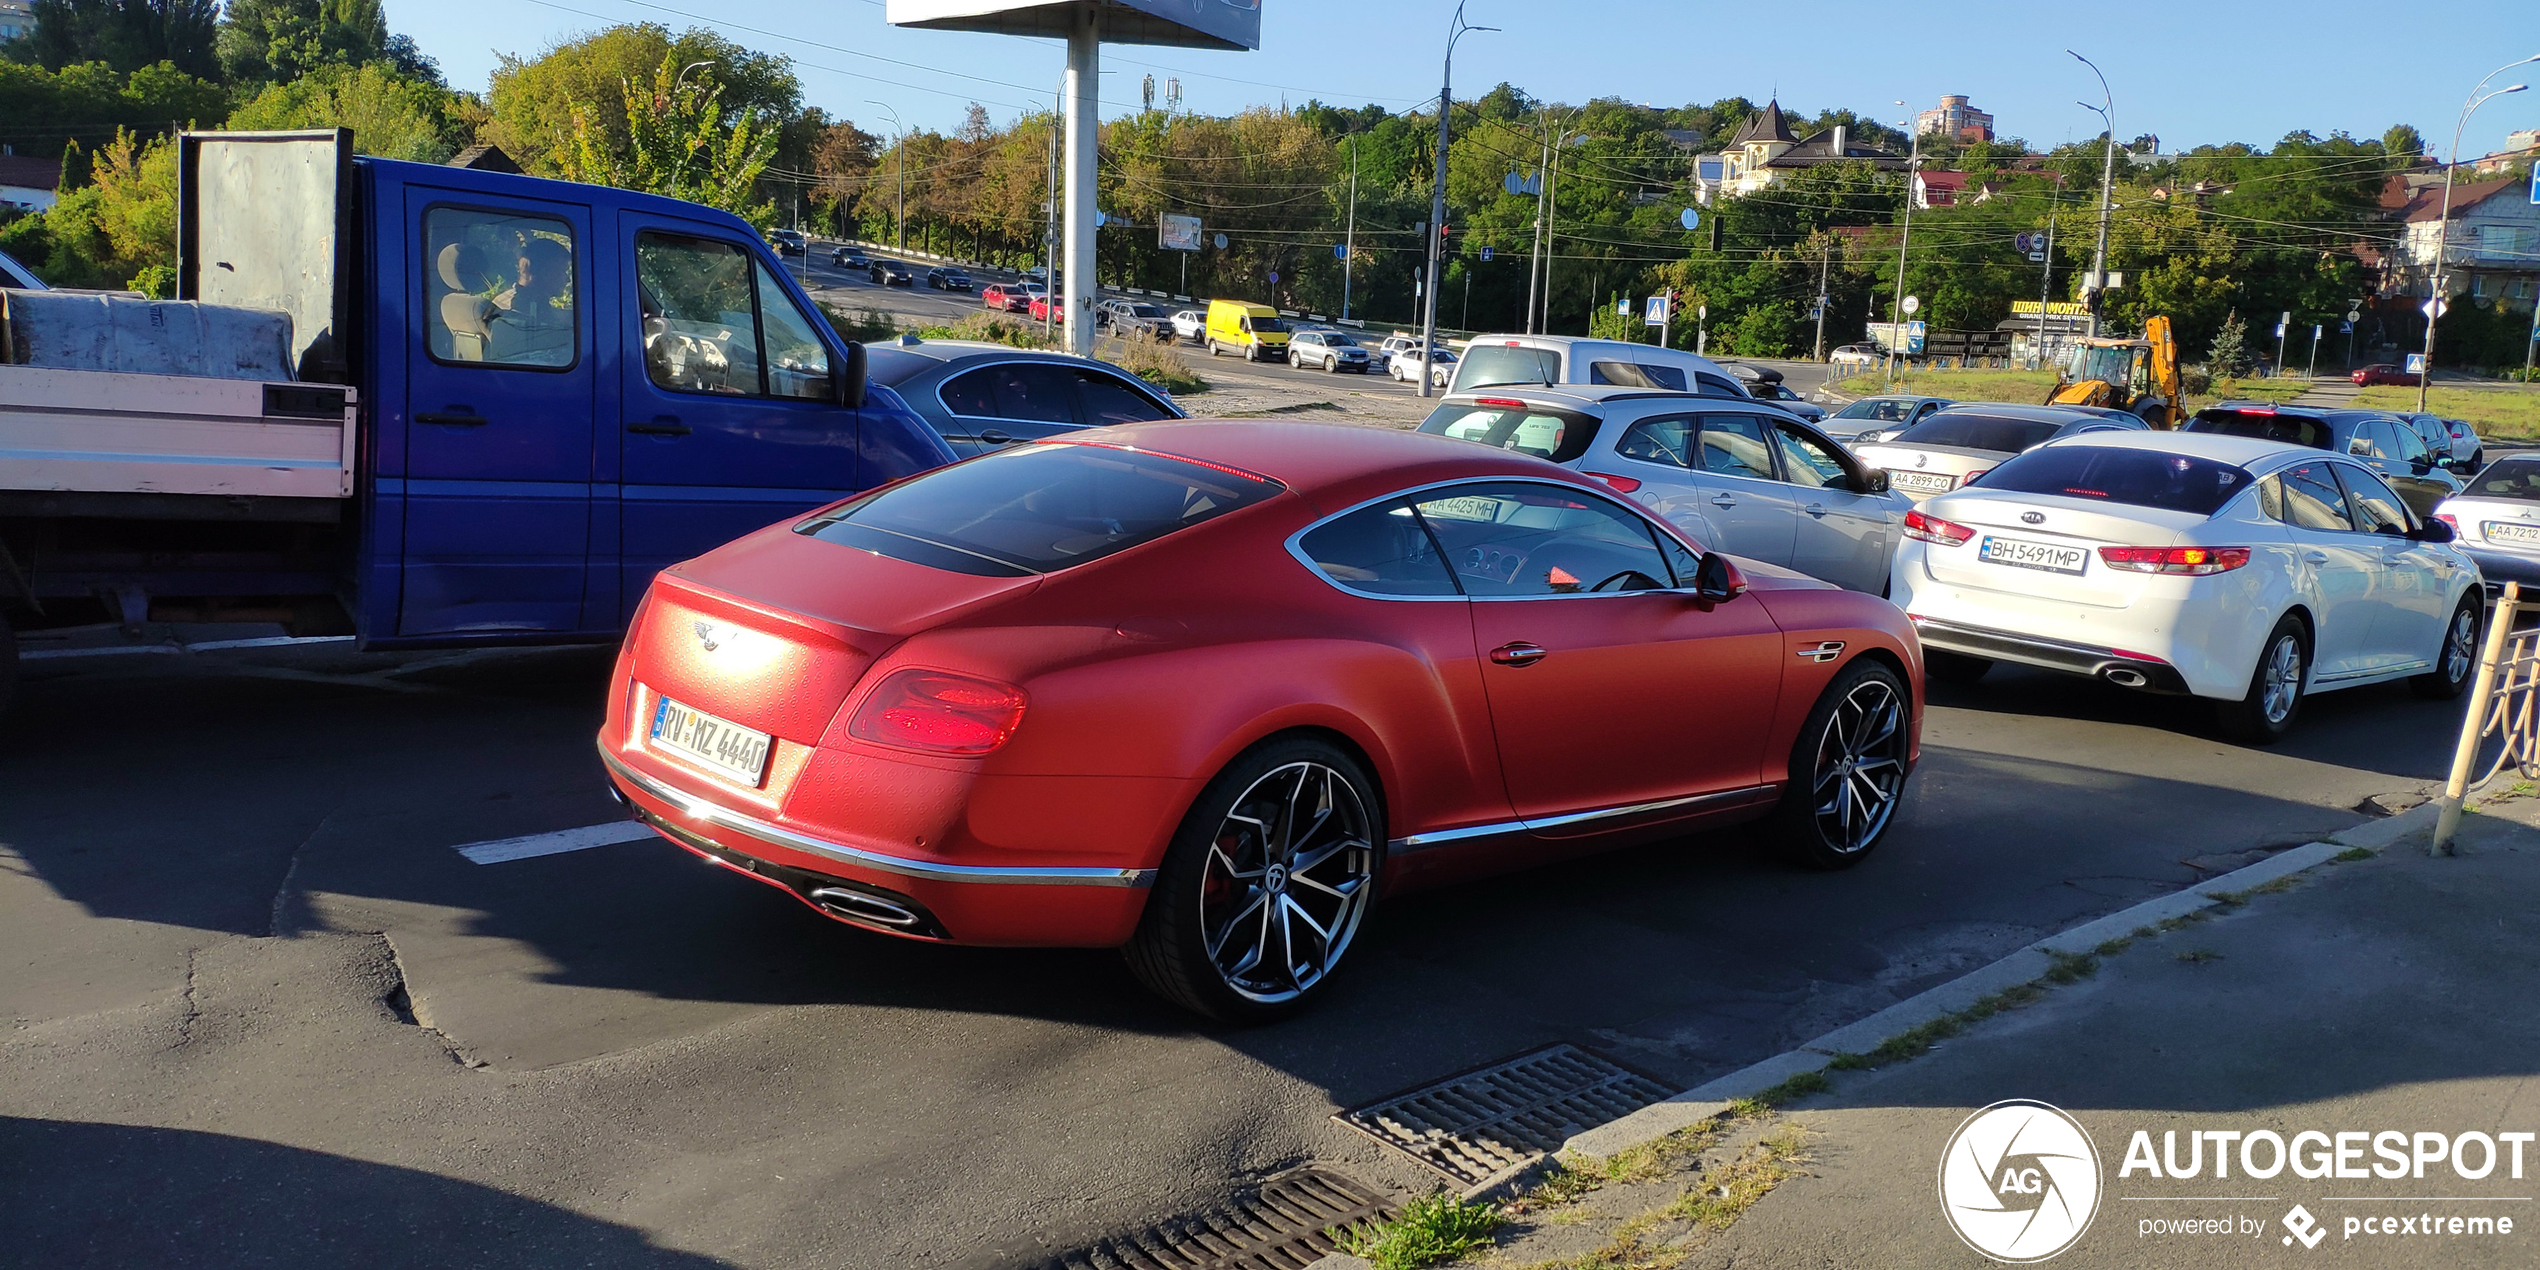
<point>500,356</point>
<point>731,421</point>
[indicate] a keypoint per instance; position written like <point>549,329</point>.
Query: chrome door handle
<point>2316,557</point>
<point>1517,654</point>
<point>1817,510</point>
<point>995,436</point>
<point>1723,500</point>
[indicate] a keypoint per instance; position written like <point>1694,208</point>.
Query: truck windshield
<point>2114,365</point>
<point>1037,509</point>
<point>1266,325</point>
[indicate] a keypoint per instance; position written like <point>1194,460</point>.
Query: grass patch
<point>1572,1177</point>
<point>1153,362</point>
<point>1791,1090</point>
<point>1436,1229</point>
<point>1850,1063</point>
<point>2278,886</point>
<point>2350,855</point>
<point>2169,924</point>
<point>1727,1191</point>
<point>2497,413</point>
<point>2032,387</point>
<point>864,326</point>
<point>2229,900</point>
<point>2111,948</point>
<point>2071,967</point>
<point>989,328</point>
<point>2199,956</point>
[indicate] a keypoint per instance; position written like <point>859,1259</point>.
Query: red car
<point>1212,691</point>
<point>1005,298</point>
<point>1039,309</point>
<point>2385,373</point>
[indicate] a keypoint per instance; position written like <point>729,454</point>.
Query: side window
<point>700,320</point>
<point>1735,445</point>
<point>1667,439</point>
<point>1671,378</point>
<point>1107,398</point>
<point>797,362</point>
<point>1714,386</point>
<point>2312,499</point>
<point>1036,392</point>
<point>1808,461</point>
<point>1380,549</point>
<point>2411,446</point>
<point>970,394</point>
<point>2364,441</point>
<point>2374,504</point>
<point>1518,540</point>
<point>502,289</point>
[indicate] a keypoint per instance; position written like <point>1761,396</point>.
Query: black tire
<point>1954,668</point>
<point>1847,769</point>
<point>1205,878</point>
<point>8,662</point>
<point>2456,659</point>
<point>2261,718</point>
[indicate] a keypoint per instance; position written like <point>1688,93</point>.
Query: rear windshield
<point>1637,375</point>
<point>1545,434</point>
<point>2137,478</point>
<point>2509,478</point>
<point>1977,432</point>
<point>2290,429</point>
<point>1500,364</point>
<point>1036,509</point>
<point>1883,409</point>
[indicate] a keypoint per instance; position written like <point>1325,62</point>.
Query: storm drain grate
<point>1279,1227</point>
<point>1478,1125</point>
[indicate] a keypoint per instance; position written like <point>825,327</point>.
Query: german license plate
<point>719,745</point>
<point>2514,531</point>
<point>2031,555</point>
<point>1921,482</point>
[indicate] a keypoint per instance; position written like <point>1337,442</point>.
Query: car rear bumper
<point>897,894</point>
<point>2497,568</point>
<point>2120,668</point>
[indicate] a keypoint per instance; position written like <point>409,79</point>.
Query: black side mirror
<point>849,382</point>
<point>1873,481</point>
<point>2434,531</point>
<point>1715,579</point>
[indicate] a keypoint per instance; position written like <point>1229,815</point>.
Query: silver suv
<point>1328,351</point>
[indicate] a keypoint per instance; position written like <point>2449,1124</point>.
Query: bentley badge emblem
<point>706,636</point>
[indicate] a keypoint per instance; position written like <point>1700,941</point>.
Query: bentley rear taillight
<point>939,712</point>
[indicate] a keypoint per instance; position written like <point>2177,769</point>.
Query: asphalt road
<point>259,1011</point>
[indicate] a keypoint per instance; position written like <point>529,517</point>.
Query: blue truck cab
<point>556,389</point>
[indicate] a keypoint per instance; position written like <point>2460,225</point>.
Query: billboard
<point>1205,24</point>
<point>1177,233</point>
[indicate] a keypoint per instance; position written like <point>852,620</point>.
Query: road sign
<point>1486,255</point>
<point>1702,311</point>
<point>1274,277</point>
<point>1623,307</point>
<point>1913,305</point>
<point>1177,233</point>
<point>1221,242</point>
<point>2354,315</point>
<point>2535,183</point>
<point>2037,257</point>
<point>2416,363</point>
<point>1659,309</point>
<point>2025,242</point>
<point>2345,328</point>
<point>2436,307</point>
<point>2279,330</point>
<point>1690,219</point>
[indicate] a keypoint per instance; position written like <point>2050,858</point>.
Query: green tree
<point>86,102</point>
<point>116,230</point>
<point>676,144</point>
<point>2228,356</point>
<point>124,34</point>
<point>276,41</point>
<point>535,102</point>
<point>391,116</point>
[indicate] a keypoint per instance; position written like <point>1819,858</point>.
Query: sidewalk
<point>2386,993</point>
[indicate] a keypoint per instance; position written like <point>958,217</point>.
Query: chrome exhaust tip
<point>2125,677</point>
<point>856,906</point>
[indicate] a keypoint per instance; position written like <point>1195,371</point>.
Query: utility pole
<point>1049,235</point>
<point>1534,259</point>
<point>2315,351</point>
<point>1551,213</point>
<point>900,152</point>
<point>1349,257</point>
<point>1896,318</point>
<point>1437,203</point>
<point>2434,304</point>
<point>2098,280</point>
<point>2046,278</point>
<point>1825,263</point>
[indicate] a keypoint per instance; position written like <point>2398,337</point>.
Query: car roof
<point>1331,464</point>
<point>2333,416</point>
<point>2237,451</point>
<point>895,363</point>
<point>2016,410</point>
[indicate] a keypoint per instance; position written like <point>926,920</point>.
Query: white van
<point>1572,359</point>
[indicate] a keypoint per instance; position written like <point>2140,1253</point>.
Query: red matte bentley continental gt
<point>1211,691</point>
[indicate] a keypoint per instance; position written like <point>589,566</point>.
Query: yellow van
<point>1255,330</point>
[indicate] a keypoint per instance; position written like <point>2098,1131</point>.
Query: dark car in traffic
<point>2384,443</point>
<point>981,397</point>
<point>891,273</point>
<point>947,278</point>
<point>850,258</point>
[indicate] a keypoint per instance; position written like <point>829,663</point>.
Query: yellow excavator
<point>2139,376</point>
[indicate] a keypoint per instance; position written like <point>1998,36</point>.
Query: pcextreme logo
<point>2019,1181</point>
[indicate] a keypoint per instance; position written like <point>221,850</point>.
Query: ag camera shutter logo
<point>2019,1181</point>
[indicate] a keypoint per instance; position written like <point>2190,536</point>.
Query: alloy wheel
<point>1860,771</point>
<point>2460,646</point>
<point>2283,678</point>
<point>1286,881</point>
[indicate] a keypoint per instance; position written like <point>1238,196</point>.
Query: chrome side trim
<point>927,870</point>
<point>1523,828</point>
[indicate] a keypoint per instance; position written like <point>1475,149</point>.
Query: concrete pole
<point>1437,203</point>
<point>1551,227</point>
<point>1904,240</point>
<point>1349,242</point>
<point>2046,278</point>
<point>1825,263</point>
<point>1534,260</point>
<point>2098,279</point>
<point>2443,225</point>
<point>1083,109</point>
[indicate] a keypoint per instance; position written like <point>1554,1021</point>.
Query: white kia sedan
<point>2245,571</point>
<point>1959,443</point>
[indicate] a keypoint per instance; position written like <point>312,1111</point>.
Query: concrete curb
<point>2025,966</point>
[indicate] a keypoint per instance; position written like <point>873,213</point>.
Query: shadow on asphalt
<point>85,1194</point>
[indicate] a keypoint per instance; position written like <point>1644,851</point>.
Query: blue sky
<point>2193,73</point>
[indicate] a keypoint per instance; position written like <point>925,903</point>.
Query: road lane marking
<point>503,850</point>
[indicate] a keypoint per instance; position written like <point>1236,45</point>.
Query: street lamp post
<point>2098,280</point>
<point>1896,317</point>
<point>2478,97</point>
<point>1437,205</point>
<point>900,150</point>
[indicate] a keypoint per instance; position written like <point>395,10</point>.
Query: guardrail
<point>2504,702</point>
